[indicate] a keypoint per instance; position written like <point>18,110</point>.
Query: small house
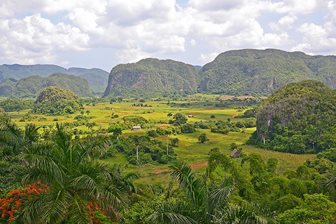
<point>136,128</point>
<point>190,115</point>
<point>236,153</point>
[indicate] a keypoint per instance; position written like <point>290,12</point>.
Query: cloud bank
<point>120,31</point>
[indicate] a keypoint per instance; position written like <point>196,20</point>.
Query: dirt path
<point>194,166</point>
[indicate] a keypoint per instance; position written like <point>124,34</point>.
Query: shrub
<point>188,128</point>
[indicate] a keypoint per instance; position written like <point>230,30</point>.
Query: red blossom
<point>11,204</point>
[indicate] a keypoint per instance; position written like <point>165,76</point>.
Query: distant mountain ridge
<point>237,72</point>
<point>97,78</point>
<point>33,85</point>
<point>262,71</point>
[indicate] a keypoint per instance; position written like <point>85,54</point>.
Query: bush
<point>203,138</point>
<point>328,154</point>
<point>174,142</point>
<point>188,128</point>
<point>10,105</point>
<point>221,131</point>
<point>179,119</point>
<point>152,133</point>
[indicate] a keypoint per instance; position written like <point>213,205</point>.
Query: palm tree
<point>208,203</point>
<point>170,213</point>
<point>12,137</point>
<point>75,178</point>
<point>12,143</point>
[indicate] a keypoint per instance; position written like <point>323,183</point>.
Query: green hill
<point>251,71</point>
<point>31,86</point>
<point>152,77</point>
<point>96,78</point>
<point>56,101</point>
<point>298,118</point>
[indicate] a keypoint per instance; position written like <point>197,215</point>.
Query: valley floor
<point>189,150</point>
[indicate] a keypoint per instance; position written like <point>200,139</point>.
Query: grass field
<point>189,149</point>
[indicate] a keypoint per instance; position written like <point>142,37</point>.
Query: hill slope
<point>56,101</point>
<point>96,78</point>
<point>31,86</point>
<point>262,71</point>
<point>299,117</point>
<point>152,77</point>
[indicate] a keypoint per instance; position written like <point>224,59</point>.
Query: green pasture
<point>189,149</point>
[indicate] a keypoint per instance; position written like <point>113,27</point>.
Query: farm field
<point>189,149</point>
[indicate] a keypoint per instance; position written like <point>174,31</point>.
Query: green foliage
<point>152,133</point>
<point>188,128</point>
<point>174,142</point>
<point>298,118</point>
<point>203,138</point>
<point>56,101</point>
<point>12,143</point>
<point>286,202</point>
<point>134,120</point>
<point>152,77</point>
<point>33,85</point>
<point>141,150</point>
<point>317,208</point>
<point>328,154</point>
<point>12,104</point>
<point>179,119</point>
<point>250,113</point>
<point>252,71</point>
<point>74,179</point>
<point>96,78</point>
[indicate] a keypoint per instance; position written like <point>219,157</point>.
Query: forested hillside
<point>97,78</point>
<point>252,71</point>
<point>55,101</point>
<point>152,77</point>
<point>240,72</point>
<point>31,86</point>
<point>298,118</point>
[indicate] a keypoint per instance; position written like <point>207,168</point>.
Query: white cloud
<point>285,22</point>
<point>205,58</point>
<point>297,6</point>
<point>35,39</point>
<point>319,39</point>
<point>214,5</point>
<point>160,28</point>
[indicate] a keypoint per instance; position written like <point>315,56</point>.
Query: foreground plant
<point>75,180</point>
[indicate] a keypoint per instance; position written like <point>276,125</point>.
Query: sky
<point>104,33</point>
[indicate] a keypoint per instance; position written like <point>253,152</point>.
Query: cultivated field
<point>189,149</point>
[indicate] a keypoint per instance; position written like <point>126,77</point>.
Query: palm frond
<point>237,214</point>
<point>187,179</point>
<point>330,183</point>
<point>170,213</point>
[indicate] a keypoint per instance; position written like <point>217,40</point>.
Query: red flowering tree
<point>12,204</point>
<point>14,200</point>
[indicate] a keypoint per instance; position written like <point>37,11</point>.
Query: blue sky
<point>103,33</point>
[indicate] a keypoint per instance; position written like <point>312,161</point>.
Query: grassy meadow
<point>189,149</point>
